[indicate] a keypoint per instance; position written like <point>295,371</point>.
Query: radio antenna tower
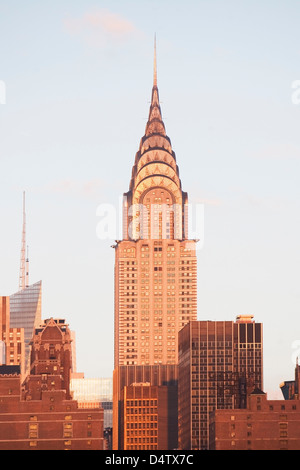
<point>23,275</point>
<point>27,269</point>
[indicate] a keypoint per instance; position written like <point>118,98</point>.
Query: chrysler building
<point>155,262</point>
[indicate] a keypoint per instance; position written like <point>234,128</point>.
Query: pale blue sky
<point>78,78</point>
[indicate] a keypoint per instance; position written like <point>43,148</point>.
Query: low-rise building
<point>263,425</point>
<point>40,412</point>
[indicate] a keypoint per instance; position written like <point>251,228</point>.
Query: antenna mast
<point>155,64</point>
<point>22,283</point>
<point>27,268</point>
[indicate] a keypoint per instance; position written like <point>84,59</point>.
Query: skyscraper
<point>220,363</point>
<point>26,312</point>
<point>155,263</point>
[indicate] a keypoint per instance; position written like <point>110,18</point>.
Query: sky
<point>75,85</point>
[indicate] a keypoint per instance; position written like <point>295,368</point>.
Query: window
<point>33,431</point>
<point>52,351</point>
<point>68,429</point>
<point>283,444</point>
<point>283,425</point>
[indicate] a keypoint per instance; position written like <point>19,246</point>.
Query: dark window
<point>243,333</point>
<point>250,333</point>
<point>257,333</point>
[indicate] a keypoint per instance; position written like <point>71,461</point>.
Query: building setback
<point>219,364</point>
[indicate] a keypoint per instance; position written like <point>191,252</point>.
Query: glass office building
<point>26,312</point>
<point>94,391</point>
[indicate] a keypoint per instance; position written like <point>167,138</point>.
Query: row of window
<point>67,443</point>
<point>67,430</point>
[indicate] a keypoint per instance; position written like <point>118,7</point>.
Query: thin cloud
<point>280,152</point>
<point>208,200</point>
<point>90,189</point>
<point>100,27</point>
<point>268,203</point>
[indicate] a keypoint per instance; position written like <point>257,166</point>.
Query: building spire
<point>27,269</point>
<point>22,278</point>
<point>155,65</point>
<point>155,123</point>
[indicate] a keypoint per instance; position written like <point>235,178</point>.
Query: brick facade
<point>40,413</point>
<point>264,425</point>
